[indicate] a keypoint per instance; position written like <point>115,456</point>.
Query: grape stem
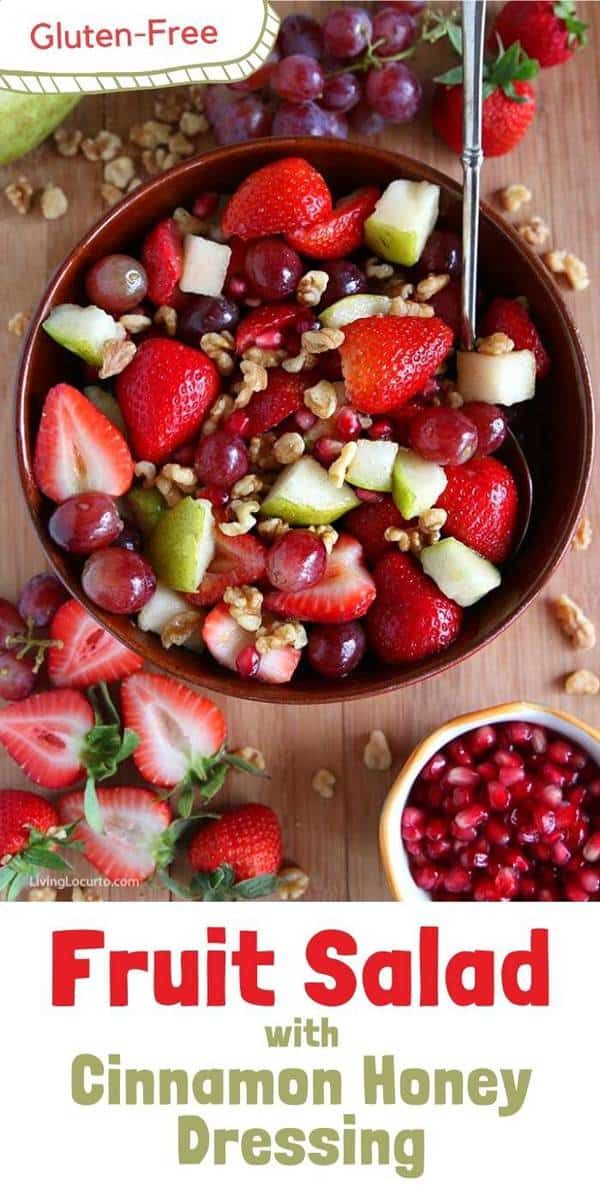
<point>371,60</point>
<point>27,642</point>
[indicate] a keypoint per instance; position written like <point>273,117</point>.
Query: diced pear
<point>106,403</point>
<point>353,308</point>
<point>145,506</point>
<point>182,545</point>
<point>83,331</point>
<point>372,465</point>
<point>160,610</point>
<point>305,495</point>
<point>460,573</point>
<point>416,483</point>
<point>205,266</point>
<point>496,378</point>
<point>402,221</point>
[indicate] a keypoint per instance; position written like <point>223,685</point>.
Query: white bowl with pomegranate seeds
<point>498,804</point>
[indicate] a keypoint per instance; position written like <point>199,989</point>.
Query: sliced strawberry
<point>345,592</point>
<point>411,618</point>
<point>283,395</point>
<point>237,560</point>
<point>138,833</point>
<point>226,640</point>
<point>511,317</point>
<point>178,730</point>
<point>162,257</point>
<point>368,525</point>
<point>278,198</point>
<point>387,360</point>
<point>265,326</point>
<point>45,735</point>
<point>482,503</point>
<point>164,395</point>
<point>341,232</point>
<point>78,449</point>
<point>89,654</point>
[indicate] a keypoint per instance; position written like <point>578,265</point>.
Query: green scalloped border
<point>91,84</point>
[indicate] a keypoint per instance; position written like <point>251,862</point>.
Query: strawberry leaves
<point>509,67</point>
<point>105,747</point>
<point>220,885</point>
<point>576,29</point>
<point>39,854</point>
<point>206,777</point>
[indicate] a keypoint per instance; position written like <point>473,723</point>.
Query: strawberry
<point>509,103</point>
<point>277,198</point>
<point>346,590</point>
<point>339,233</point>
<point>57,738</point>
<point>84,653</point>
<point>164,395</point>
<point>511,317</point>
<point>162,257</point>
<point>78,449</point>
<point>482,503</point>
<point>549,32</point>
<point>138,835</point>
<point>411,618</point>
<point>266,326</point>
<point>237,856</point>
<point>368,525</point>
<point>283,395</point>
<point>25,822</point>
<point>386,360</point>
<point>238,560</point>
<point>226,640</point>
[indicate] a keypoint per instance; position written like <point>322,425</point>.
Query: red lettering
<point>122,962</point>
<point>66,968</point>
<point>481,962</point>
<point>398,993</point>
<point>249,959</point>
<point>318,958</point>
<point>537,962</point>
<point>429,954</point>
<point>185,992</point>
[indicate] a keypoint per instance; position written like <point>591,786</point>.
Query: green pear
<point>402,221</point>
<point>107,404</point>
<point>162,608</point>
<point>83,331</point>
<point>416,483</point>
<point>182,545</point>
<point>372,465</point>
<point>353,308</point>
<point>460,573</point>
<point>304,494</point>
<point>25,121</point>
<point>145,506</point>
<point>496,378</point>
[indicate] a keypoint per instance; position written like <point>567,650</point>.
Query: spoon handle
<point>473,25</point>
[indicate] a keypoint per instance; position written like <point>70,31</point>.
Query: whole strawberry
<point>387,360</point>
<point>550,32</point>
<point>509,103</point>
<point>482,503</point>
<point>164,395</point>
<point>411,618</point>
<point>25,822</point>
<point>511,317</point>
<point>238,855</point>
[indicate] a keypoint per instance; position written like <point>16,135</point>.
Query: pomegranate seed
<point>480,741</point>
<point>218,497</point>
<point>369,497</point>
<point>528,889</point>
<point>460,798</point>
<point>506,883</point>
<point>561,855</point>
<point>528,835</point>
<point>515,859</point>
<point>438,850</point>
<point>573,891</point>
<point>470,817</point>
<point>381,431</point>
<point>473,859</point>
<point>498,796</point>
<point>552,774</point>
<point>542,852</point>
<point>237,288</point>
<point>559,752</point>
<point>591,850</point>
<point>237,423</point>
<point>205,204</point>
<point>545,819</point>
<point>522,789</point>
<point>413,823</point>
<point>497,832</point>
<point>347,424</point>
<point>594,789</point>
<point>248,662</point>
<point>457,880</point>
<point>508,776</point>
<point>508,758</point>
<point>547,894</point>
<point>487,770</point>
<point>326,450</point>
<point>462,777</point>
<point>435,767</point>
<point>427,877</point>
<point>520,732</point>
<point>588,879</point>
<point>539,740</point>
<point>576,795</point>
<point>436,828</point>
<point>547,793</point>
<point>567,816</point>
<point>485,890</point>
<point>579,760</point>
<point>459,754</point>
<point>304,420</point>
<point>269,339</point>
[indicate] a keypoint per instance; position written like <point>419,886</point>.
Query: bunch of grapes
<point>325,80</point>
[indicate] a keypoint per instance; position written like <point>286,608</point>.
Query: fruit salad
<point>270,449</point>
<point>506,812</point>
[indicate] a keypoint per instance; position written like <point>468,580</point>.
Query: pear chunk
<point>496,378</point>
<point>205,266</point>
<point>106,403</point>
<point>460,573</point>
<point>182,545</point>
<point>402,221</point>
<point>83,331</point>
<point>416,483</point>
<point>353,308</point>
<point>372,465</point>
<point>145,506</point>
<point>305,495</point>
<point>160,610</point>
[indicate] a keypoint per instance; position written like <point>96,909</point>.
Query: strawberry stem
<point>206,778</point>
<point>40,852</point>
<point>106,746</point>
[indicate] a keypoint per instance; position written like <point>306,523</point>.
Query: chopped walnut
<point>321,399</point>
<point>377,755</point>
<point>288,448</point>
<point>146,472</point>
<point>18,324</point>
<point>495,344</point>
<point>562,263</point>
<point>281,634</point>
<point>53,202</point>
<point>150,135</point>
<point>136,182</point>
<point>20,195</point>
<point>244,511</point>
<point>582,539</point>
<point>168,490</point>
<point>416,541</point>
<point>245,606</point>
<point>181,145</point>
<point>320,341</point>
<point>196,93</point>
<point>582,683</point>
<point>248,486</point>
<point>255,379</point>
<point>375,269</point>
<point>299,362</point>
<point>397,288</point>
<point>453,399</point>
<point>339,469</point>
<point>135,322</point>
<point>327,534</point>
<point>535,232</point>
<point>43,895</point>
<point>218,346</point>
<point>430,286</point>
<point>192,124</point>
<point>409,308</point>
<point>169,108</point>
<point>68,141</point>
<point>432,520</point>
<point>120,171</point>
<point>103,148</point>
<point>398,537</point>
<point>265,358</point>
<point>272,528</point>
<point>574,623</point>
<point>292,883</point>
<point>261,451</point>
<point>116,355</point>
<point>166,317</point>
<point>85,895</point>
<point>184,478</point>
<point>221,409</point>
<point>252,756</point>
<point>324,783</point>
<point>111,194</point>
<point>182,627</point>
<point>513,197</point>
<point>188,223</point>
<point>312,288</point>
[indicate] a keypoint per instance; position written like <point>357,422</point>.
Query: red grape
<point>345,279</point>
<point>40,598</point>
<point>221,459</point>
<point>443,435</point>
<point>336,650</point>
<point>409,6</point>
<point>272,268</point>
<point>300,120</point>
<point>11,624</point>
<point>241,121</point>
<point>117,283</point>
<point>365,121</point>
<point>447,305</point>
<point>336,125</point>
<point>17,677</point>
<point>395,31</point>
<point>296,561</point>
<point>118,580</point>
<point>442,254</point>
<point>298,78</point>
<point>490,423</point>
<point>207,314</point>
<point>217,98</point>
<point>394,92</point>
<point>130,538</point>
<point>341,93</point>
<point>85,522</point>
<point>300,34</point>
<point>347,32</point>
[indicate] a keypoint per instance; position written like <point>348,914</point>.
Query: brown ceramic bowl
<point>558,429</point>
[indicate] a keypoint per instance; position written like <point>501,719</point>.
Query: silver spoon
<point>473,26</point>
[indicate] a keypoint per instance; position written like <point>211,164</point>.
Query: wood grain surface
<point>335,841</point>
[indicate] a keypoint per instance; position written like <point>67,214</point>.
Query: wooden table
<point>336,840</point>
